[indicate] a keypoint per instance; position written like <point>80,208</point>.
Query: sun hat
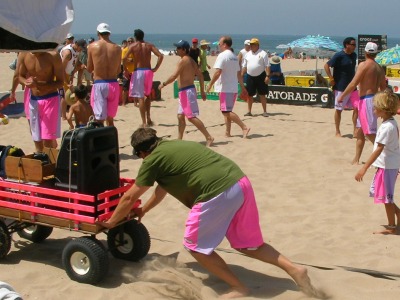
<point>103,27</point>
<point>195,40</point>
<point>70,36</point>
<point>276,60</point>
<point>254,41</point>
<point>371,47</point>
<point>70,97</point>
<point>247,42</point>
<point>182,44</point>
<point>204,42</point>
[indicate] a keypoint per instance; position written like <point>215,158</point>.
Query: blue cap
<point>182,44</point>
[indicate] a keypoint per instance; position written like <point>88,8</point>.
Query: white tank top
<point>74,57</point>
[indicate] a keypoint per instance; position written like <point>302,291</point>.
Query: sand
<point>311,209</point>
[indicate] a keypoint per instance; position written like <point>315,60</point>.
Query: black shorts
<point>206,76</point>
<point>256,84</point>
<point>126,82</point>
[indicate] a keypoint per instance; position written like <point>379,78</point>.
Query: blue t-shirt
<point>344,69</point>
<point>275,68</point>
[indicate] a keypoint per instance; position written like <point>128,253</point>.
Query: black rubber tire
<point>35,233</point>
<point>5,240</point>
<point>135,244</point>
<point>85,260</point>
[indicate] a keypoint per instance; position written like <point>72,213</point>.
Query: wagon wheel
<point>85,260</point>
<point>129,241</point>
<point>5,240</point>
<point>35,233</point>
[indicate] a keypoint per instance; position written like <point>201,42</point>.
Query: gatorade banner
<point>304,81</point>
<point>281,94</point>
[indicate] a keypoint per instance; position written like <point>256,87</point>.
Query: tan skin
<point>240,56</point>
<point>68,78</point>
<point>104,60</point>
<point>392,210</point>
<point>81,111</point>
<point>370,78</point>
<point>185,73</point>
<point>349,49</point>
<point>43,73</point>
<point>263,99</point>
<point>229,117</point>
<point>213,262</point>
<point>141,51</point>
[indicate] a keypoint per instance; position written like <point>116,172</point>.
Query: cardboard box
<point>27,169</point>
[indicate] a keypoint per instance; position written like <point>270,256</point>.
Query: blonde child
<point>385,157</point>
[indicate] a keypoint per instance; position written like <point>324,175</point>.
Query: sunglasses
<point>136,152</point>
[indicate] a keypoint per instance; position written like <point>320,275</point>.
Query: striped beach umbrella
<point>389,57</point>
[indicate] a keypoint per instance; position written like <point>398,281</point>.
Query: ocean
<point>165,42</point>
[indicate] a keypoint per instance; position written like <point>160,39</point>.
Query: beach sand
<point>311,209</point>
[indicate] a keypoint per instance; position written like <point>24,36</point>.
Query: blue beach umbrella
<point>316,45</point>
<point>389,57</point>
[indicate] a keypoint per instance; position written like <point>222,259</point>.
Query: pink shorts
<point>366,115</point>
<point>45,117</point>
<point>188,105</point>
<point>382,186</point>
<point>350,101</point>
<point>232,213</point>
<point>141,83</point>
<point>227,101</point>
<point>27,98</point>
<point>104,98</point>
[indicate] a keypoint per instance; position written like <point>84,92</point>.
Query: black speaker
<point>88,160</point>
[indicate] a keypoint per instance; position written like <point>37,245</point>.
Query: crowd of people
<point>198,177</point>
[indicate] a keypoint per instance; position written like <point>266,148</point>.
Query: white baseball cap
<point>247,42</point>
<point>371,47</point>
<point>70,36</point>
<point>103,27</point>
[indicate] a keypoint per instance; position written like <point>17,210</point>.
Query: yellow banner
<point>304,81</point>
<point>393,72</point>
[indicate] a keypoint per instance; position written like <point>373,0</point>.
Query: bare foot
<point>236,293</point>
<point>388,230</point>
<point>338,134</point>
<point>355,162</point>
<point>209,142</point>
<point>227,134</point>
<point>246,132</point>
<point>150,122</point>
<point>304,284</point>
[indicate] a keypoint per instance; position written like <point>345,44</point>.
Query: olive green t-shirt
<point>188,171</point>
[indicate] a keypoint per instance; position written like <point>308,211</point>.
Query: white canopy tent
<point>34,25</point>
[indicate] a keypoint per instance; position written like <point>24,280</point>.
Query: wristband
<point>61,92</point>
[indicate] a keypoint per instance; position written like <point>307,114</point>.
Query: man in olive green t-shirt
<point>221,200</point>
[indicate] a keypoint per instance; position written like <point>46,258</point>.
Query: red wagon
<point>32,211</point>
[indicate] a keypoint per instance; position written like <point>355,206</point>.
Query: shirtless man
<point>43,74</point>
<point>104,60</point>
<point>81,111</point>
<point>142,76</point>
<point>370,78</point>
<point>69,56</point>
<point>185,73</point>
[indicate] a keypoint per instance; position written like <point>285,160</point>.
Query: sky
<point>279,17</point>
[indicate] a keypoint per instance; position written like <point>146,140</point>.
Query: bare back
<point>82,111</point>
<point>104,59</point>
<point>372,78</point>
<point>187,69</point>
<point>141,54</point>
